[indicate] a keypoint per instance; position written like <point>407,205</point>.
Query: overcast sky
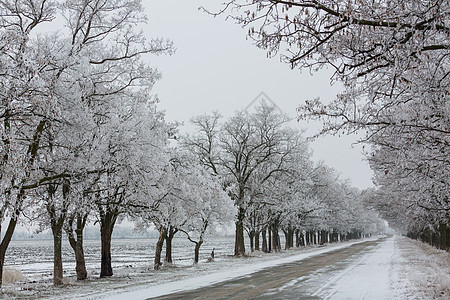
<point>216,68</point>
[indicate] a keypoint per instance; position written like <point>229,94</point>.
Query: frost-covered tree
<point>130,145</point>
<point>236,148</point>
<point>209,206</point>
<point>187,198</point>
<point>295,188</point>
<point>164,206</point>
<point>276,186</point>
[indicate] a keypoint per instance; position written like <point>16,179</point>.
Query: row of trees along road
<point>266,169</point>
<point>392,57</point>
<point>82,141</point>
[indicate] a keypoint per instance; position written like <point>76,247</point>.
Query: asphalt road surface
<point>306,279</point>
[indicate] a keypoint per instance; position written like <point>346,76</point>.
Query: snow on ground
<point>398,268</point>
<point>421,271</point>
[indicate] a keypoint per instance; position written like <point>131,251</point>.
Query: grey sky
<point>216,68</point>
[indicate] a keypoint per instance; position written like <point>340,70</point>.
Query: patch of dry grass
<point>11,276</point>
<point>426,268</point>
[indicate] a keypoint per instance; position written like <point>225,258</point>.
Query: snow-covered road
<point>360,270</point>
<point>328,273</point>
<point>367,275</point>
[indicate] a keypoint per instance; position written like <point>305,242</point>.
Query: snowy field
<point>398,268</point>
<point>34,258</point>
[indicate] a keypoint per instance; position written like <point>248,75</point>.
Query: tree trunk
<point>80,267</point>
<point>57,223</point>
<point>302,239</point>
<point>286,240</point>
<point>106,267</point>
<point>76,242</point>
<point>4,245</point>
<point>270,239</point>
<point>257,241</point>
<point>278,241</point>
<point>289,234</point>
<point>106,229</point>
<point>169,238</point>
<point>197,251</point>
<point>448,237</point>
<point>443,235</point>
<point>251,236</point>
<point>264,241</point>
<point>159,246</point>
<point>275,239</point>
<point>239,246</point>
<point>168,257</point>
<point>57,254</point>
